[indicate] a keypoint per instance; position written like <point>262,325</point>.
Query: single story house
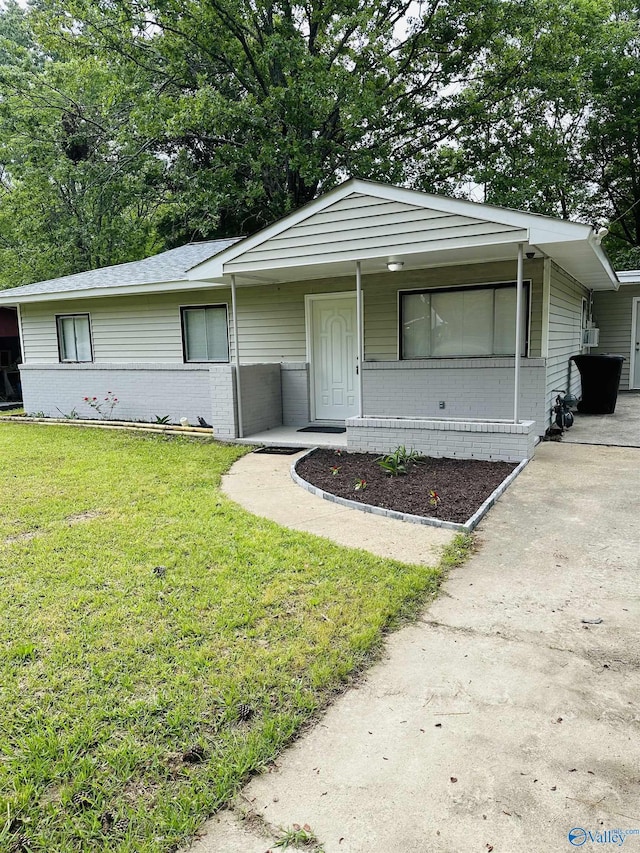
<point>402,317</point>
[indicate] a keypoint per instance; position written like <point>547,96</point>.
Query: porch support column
<point>519,300</point>
<point>236,355</point>
<point>359,334</point>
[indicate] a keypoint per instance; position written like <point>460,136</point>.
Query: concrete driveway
<point>621,429</point>
<point>509,714</point>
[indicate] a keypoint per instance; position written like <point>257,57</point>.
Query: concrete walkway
<point>508,714</point>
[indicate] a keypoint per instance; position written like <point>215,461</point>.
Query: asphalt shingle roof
<point>172,265</point>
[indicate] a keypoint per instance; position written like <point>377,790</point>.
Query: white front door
<point>635,344</point>
<point>333,356</point>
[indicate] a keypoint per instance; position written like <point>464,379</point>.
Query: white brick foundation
<point>487,440</point>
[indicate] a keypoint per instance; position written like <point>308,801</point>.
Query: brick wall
<point>295,393</point>
<point>454,439</point>
<point>471,388</point>
<point>143,391</point>
<point>261,397</point>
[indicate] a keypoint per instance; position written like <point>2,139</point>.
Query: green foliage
<point>130,127</point>
<point>398,462</point>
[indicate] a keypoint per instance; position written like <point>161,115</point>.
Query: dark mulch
<point>462,485</point>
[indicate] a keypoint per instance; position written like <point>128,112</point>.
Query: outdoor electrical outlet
<point>441,404</point>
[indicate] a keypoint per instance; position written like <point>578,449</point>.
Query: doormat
<point>329,429</point>
<point>280,451</point>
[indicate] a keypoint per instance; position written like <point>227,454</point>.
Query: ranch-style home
<point>400,317</point>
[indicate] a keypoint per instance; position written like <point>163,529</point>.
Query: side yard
<point>157,642</point>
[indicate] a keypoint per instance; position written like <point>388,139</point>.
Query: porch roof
<point>376,223</point>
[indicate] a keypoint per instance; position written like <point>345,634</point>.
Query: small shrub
<point>398,462</point>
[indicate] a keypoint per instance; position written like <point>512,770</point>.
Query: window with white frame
<point>74,337</point>
<point>205,334</point>
<point>462,321</point>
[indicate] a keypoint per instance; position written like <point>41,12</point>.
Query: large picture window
<point>463,321</point>
<point>74,337</point>
<point>204,333</point>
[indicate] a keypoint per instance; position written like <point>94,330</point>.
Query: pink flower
<point>95,398</point>
<point>86,399</point>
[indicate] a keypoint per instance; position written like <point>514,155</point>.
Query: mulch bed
<point>462,485</point>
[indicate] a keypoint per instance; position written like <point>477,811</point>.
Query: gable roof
<point>170,266</point>
<point>373,223</point>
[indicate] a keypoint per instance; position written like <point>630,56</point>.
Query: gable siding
<point>358,224</point>
<point>612,312</point>
<point>565,333</point>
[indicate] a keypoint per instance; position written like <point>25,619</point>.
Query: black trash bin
<point>600,375</point>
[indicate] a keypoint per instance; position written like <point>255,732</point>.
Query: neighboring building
<point>618,317</point>
<point>9,355</point>
<point>428,361</point>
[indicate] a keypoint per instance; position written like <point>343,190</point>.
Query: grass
<point>110,671</point>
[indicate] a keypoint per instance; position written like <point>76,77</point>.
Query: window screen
<point>204,331</point>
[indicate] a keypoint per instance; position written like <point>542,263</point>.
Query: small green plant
<point>397,462</point>
<point>69,416</point>
<point>161,419</point>
<point>360,485</point>
<point>297,836</point>
<point>37,415</point>
<point>335,470</point>
<point>103,407</point>
<point>434,499</point>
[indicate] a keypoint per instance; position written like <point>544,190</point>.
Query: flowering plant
<point>360,485</point>
<point>104,407</point>
<point>335,469</point>
<point>434,498</point>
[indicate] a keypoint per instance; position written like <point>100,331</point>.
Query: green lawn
<point>110,672</point>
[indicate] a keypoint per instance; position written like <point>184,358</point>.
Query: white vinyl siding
<point>135,329</point>
<point>74,338</point>
<point>612,313</point>
<point>565,332</point>
<point>361,226</point>
<point>205,333</point>
<point>128,329</point>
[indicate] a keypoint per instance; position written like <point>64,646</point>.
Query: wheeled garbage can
<point>600,376</point>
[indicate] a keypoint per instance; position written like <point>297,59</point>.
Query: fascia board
<point>109,292</point>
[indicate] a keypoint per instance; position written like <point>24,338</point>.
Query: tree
<point>77,190</point>
<point>259,105</point>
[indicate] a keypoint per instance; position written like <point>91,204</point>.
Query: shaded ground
<point>461,485</point>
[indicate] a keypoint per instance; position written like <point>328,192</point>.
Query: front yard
<point>140,611</point>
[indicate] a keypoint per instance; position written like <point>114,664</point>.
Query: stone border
<point>467,527</point>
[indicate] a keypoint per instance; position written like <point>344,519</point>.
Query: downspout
<point>236,355</point>
<point>519,300</point>
<point>359,335</point>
